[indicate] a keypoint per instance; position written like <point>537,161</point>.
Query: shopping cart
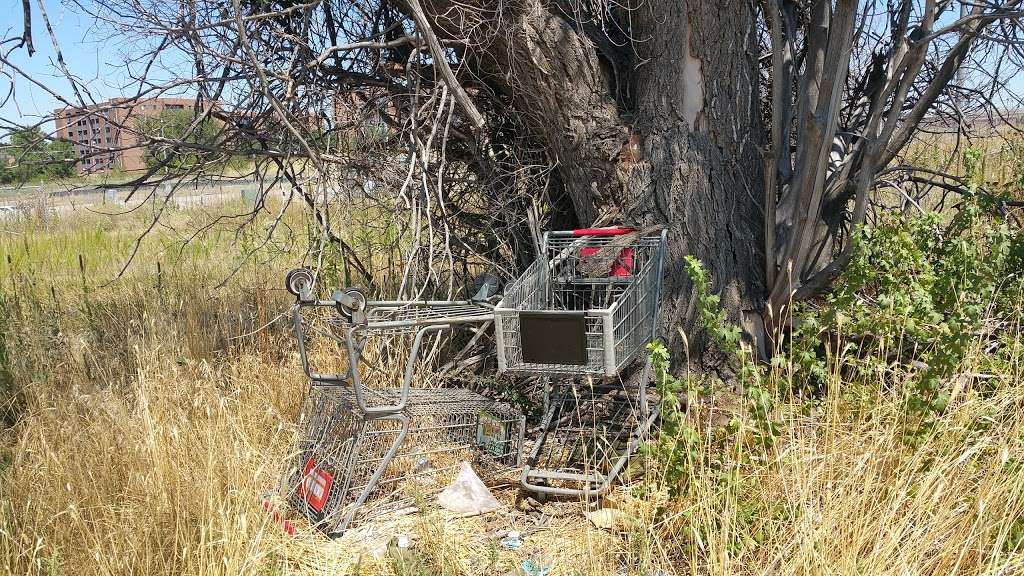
<point>585,307</point>
<point>583,311</point>
<point>366,440</point>
<point>350,467</point>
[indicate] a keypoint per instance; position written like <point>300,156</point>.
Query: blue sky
<point>96,55</point>
<point>87,52</point>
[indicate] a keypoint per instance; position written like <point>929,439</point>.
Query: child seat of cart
<point>621,267</point>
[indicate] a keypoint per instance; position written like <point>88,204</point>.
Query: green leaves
<point>180,145</point>
<point>726,335</point>
<point>680,444</point>
<point>30,157</point>
<point>918,291</point>
<point>729,338</point>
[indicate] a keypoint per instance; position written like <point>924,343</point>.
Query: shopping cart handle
<point>609,231</point>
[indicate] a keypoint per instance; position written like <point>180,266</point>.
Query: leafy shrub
<point>680,444</point>
<point>922,298</point>
<point>918,296</point>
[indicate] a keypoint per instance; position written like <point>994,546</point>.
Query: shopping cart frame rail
<point>422,318</point>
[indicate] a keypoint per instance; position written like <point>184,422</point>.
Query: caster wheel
<point>298,281</point>
<point>354,293</point>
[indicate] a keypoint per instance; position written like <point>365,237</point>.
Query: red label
<point>288,526</point>
<point>315,486</point>
<point>623,265</point>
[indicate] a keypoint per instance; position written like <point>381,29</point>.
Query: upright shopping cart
<point>367,445</point>
<point>583,312</point>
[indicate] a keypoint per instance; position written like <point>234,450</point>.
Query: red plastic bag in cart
<point>623,264</point>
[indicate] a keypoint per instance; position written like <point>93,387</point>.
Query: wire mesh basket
<point>349,468</point>
<point>586,307</point>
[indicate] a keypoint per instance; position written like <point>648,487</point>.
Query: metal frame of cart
<point>583,311</point>
<point>383,316</point>
<point>361,441</point>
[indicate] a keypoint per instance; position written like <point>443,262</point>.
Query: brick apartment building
<point>103,135</point>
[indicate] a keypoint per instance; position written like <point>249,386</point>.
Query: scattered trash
<point>406,560</point>
<point>512,541</point>
<point>379,551</point>
<point>529,503</point>
<point>534,568</point>
<point>422,466</point>
<point>467,494</point>
<point>608,518</point>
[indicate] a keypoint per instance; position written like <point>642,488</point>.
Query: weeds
<point>151,420</point>
<point>908,369</point>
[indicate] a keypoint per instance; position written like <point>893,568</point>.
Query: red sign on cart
<point>315,486</point>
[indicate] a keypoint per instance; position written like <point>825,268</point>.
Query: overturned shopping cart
<point>368,441</point>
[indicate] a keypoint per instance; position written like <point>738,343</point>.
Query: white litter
<point>467,494</point>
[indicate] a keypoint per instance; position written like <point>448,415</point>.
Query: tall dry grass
<point>142,433</point>
<point>842,493</point>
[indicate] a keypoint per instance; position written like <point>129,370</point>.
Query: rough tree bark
<point>668,134</point>
<point>700,170</point>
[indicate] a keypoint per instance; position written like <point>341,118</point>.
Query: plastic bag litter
<point>535,568</point>
<point>608,518</point>
<point>467,494</point>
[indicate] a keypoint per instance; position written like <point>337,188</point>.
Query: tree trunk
<point>701,172</point>
<point>667,134</point>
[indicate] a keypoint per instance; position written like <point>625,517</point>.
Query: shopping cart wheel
<point>354,294</point>
<point>298,281</point>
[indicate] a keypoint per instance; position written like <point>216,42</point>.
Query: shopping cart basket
<point>366,440</point>
<point>350,468</point>
<point>584,311</point>
<point>585,307</point>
